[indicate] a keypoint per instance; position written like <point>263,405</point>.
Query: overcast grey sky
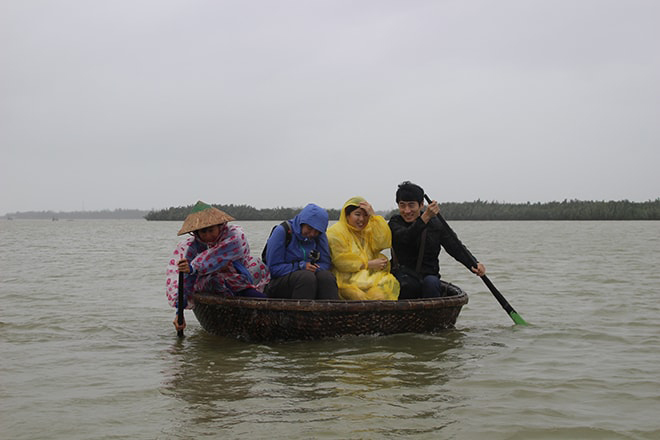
<point>156,103</point>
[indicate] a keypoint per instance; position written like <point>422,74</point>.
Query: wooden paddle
<point>179,305</point>
<point>496,293</point>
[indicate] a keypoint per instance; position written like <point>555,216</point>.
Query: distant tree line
<point>566,210</point>
<point>477,210</point>
<point>239,212</point>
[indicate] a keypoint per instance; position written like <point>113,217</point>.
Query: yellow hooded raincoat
<point>352,249</point>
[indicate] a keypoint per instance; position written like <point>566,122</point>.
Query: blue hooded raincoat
<point>283,260</point>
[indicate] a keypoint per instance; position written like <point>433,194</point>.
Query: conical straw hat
<point>203,216</point>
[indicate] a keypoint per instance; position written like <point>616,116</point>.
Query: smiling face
<point>358,218</point>
<point>410,210</point>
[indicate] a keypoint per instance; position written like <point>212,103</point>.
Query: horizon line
<point>300,207</point>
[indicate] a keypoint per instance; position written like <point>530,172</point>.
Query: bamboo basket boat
<point>260,319</point>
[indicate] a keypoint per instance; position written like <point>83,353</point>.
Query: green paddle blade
<point>517,318</point>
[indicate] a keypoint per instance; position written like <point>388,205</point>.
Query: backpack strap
<point>287,238</point>
<point>287,230</point>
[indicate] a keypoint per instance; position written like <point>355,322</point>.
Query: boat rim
<point>284,304</point>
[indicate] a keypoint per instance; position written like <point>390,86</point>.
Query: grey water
<point>88,350</point>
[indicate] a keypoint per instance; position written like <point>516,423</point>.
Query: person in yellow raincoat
<point>356,242</point>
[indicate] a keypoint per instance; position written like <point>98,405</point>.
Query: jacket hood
<point>312,215</point>
<point>353,201</point>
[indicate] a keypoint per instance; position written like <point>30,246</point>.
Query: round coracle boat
<point>260,319</point>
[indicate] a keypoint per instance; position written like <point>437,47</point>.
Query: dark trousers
<point>413,287</point>
<point>304,284</point>
<point>431,287</point>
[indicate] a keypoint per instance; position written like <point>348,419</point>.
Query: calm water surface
<point>89,351</point>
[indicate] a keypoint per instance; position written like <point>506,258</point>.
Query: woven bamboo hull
<point>254,319</point>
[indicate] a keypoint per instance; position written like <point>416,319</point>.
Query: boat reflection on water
<point>380,383</point>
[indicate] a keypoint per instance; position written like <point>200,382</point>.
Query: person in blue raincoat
<point>300,263</point>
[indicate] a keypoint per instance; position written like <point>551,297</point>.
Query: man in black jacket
<point>417,238</point>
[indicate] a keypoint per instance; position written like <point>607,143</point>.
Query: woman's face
<point>210,234</point>
<point>358,218</point>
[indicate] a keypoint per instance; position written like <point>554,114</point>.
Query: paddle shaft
<point>179,305</point>
<point>496,293</point>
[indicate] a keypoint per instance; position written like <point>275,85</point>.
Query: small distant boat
<point>260,319</point>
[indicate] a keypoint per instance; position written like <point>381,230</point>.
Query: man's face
<point>410,210</point>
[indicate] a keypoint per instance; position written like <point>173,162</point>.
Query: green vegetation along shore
<point>477,210</point>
